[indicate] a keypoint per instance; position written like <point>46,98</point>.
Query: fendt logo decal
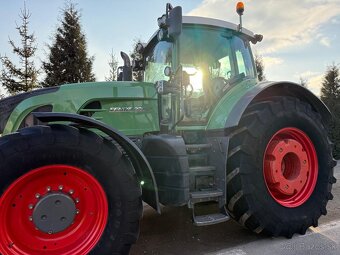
<point>128,109</point>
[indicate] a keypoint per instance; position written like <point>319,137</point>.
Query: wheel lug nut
<point>77,212</point>
<point>77,200</point>
<point>50,232</point>
<point>30,218</point>
<point>60,187</point>
<point>71,192</point>
<point>280,150</point>
<point>30,206</point>
<point>37,196</point>
<point>48,189</point>
<point>305,161</point>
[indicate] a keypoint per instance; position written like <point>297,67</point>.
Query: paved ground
<point>173,233</point>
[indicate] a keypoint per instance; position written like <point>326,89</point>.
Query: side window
<point>240,63</point>
<point>157,60</point>
<point>243,57</point>
<point>225,70</point>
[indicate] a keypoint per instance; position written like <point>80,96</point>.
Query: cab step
<point>202,177</point>
<point>205,196</point>
<point>198,159</point>
<point>210,219</point>
<point>194,148</point>
<point>201,169</point>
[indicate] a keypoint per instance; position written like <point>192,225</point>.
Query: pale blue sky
<point>301,38</point>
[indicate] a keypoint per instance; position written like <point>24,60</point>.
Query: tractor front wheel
<point>280,168</point>
<point>65,191</point>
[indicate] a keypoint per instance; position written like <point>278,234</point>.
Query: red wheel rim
<point>290,167</point>
<point>19,233</point>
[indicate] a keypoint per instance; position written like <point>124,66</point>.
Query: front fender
<point>140,163</point>
<point>234,104</point>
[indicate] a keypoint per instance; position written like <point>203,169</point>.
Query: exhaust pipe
<point>125,72</point>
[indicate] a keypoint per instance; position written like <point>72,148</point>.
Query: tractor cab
<point>193,62</point>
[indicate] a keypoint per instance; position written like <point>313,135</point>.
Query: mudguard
<point>270,89</point>
<point>229,110</point>
<point>140,163</point>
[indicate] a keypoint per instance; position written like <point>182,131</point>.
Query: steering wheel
<point>188,90</point>
<point>217,85</point>
<point>220,83</point>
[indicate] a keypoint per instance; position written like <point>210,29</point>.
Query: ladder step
<point>210,219</point>
<point>199,159</point>
<point>197,147</point>
<point>197,169</point>
<point>206,194</point>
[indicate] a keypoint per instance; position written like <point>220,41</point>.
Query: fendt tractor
<point>77,160</point>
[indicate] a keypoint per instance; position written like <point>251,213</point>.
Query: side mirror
<point>170,23</point>
<point>174,22</point>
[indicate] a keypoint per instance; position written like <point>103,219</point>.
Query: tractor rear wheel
<point>280,168</point>
<point>66,190</point>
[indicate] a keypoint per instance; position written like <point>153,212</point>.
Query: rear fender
<point>229,110</point>
<point>269,89</point>
<point>140,163</point>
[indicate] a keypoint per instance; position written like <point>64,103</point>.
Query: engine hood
<point>75,98</point>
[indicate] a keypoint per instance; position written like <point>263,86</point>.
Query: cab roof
<point>195,20</point>
<point>216,23</point>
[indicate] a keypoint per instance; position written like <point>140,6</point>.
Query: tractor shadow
<point>174,233</point>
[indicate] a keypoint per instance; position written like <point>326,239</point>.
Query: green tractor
<point>78,160</point>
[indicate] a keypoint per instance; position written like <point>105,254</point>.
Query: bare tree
<point>303,82</point>
<point>136,75</point>
<point>113,64</point>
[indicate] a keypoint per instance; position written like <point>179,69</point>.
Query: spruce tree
<point>330,94</point>
<point>68,60</point>
<point>113,64</point>
<point>21,78</point>
<point>259,67</point>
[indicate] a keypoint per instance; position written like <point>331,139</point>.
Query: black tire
<point>34,147</point>
<point>248,199</point>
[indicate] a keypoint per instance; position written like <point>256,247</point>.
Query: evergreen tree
<point>24,78</point>
<point>136,75</point>
<point>68,61</point>
<point>113,63</point>
<point>259,67</point>
<point>330,94</point>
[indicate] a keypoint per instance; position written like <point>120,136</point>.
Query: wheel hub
<point>290,167</point>
<point>54,213</point>
<point>54,209</point>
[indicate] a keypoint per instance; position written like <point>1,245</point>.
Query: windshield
<point>212,58</point>
<point>156,60</point>
<point>215,60</point>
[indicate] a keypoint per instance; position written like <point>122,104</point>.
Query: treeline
<point>330,95</point>
<point>67,59</point>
